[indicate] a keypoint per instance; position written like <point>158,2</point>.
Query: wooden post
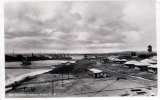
<point>68,75</point>
<point>24,89</point>
<point>52,84</point>
<point>81,90</point>
<point>62,79</point>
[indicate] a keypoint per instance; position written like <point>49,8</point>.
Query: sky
<point>80,26</point>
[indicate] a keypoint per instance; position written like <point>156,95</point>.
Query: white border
<point>1,50</point>
<point>2,63</point>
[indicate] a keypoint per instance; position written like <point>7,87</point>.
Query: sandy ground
<point>145,82</point>
<point>88,87</point>
<point>11,73</point>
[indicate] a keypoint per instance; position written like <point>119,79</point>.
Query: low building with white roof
<point>131,63</point>
<point>152,68</point>
<point>149,61</point>
<point>141,65</point>
<point>97,73</point>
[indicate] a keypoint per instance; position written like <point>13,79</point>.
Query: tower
<point>149,48</point>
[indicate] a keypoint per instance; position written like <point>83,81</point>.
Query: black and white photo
<point>80,48</point>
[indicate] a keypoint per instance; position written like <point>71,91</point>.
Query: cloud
<point>79,26</point>
<point>141,13</point>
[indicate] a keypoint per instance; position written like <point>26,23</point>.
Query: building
<point>133,54</point>
<point>136,64</point>
<point>116,60</point>
<point>152,60</point>
<point>142,66</point>
<point>97,73</point>
<point>131,63</point>
<point>120,61</point>
<point>153,68</point>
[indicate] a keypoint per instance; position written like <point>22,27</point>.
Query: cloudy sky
<point>79,27</point>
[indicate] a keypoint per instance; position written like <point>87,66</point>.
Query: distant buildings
<point>144,65</point>
<point>133,53</point>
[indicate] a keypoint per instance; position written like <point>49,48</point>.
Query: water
<point>77,57</point>
<point>38,63</point>
<point>18,69</point>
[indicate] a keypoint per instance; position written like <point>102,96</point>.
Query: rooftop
<point>95,70</point>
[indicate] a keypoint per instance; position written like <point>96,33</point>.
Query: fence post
<point>52,84</point>
<point>68,75</point>
<point>62,79</point>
